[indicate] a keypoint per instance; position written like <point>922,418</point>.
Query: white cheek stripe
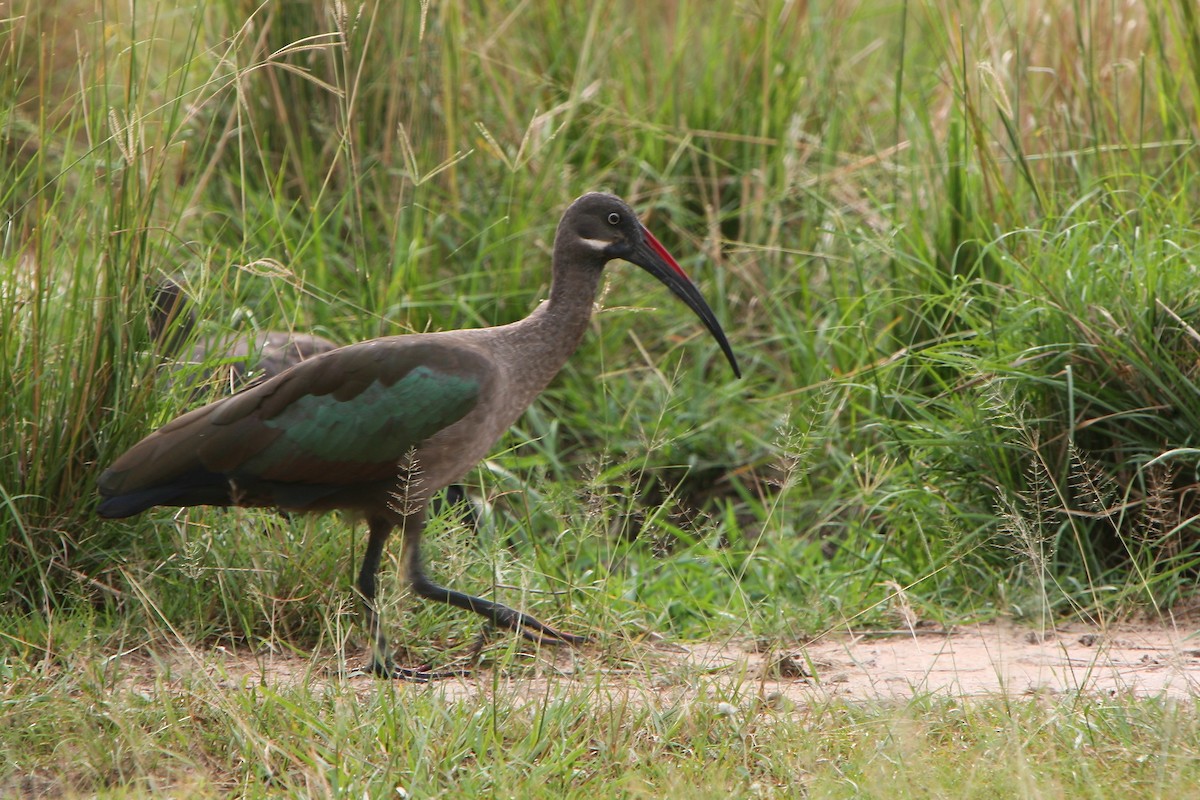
<point>595,244</point>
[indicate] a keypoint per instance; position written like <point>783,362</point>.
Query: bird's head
<point>599,227</point>
<point>602,226</point>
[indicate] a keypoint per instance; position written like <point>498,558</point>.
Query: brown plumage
<point>242,358</point>
<point>376,428</point>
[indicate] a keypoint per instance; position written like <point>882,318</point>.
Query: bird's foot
<point>463,667</point>
<point>422,674</point>
<point>547,635</point>
<point>534,629</point>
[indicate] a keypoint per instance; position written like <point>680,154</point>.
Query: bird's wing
<point>342,418</point>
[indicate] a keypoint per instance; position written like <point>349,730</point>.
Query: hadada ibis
<point>376,428</point>
<point>260,355</point>
<point>244,358</point>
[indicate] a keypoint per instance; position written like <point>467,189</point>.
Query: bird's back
<point>333,431</point>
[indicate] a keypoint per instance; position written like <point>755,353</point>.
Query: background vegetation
<point>954,246</point>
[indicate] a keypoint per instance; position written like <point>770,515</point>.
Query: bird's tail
<point>197,488</point>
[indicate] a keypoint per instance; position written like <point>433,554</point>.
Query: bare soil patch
<point>992,659</point>
<point>982,660</point>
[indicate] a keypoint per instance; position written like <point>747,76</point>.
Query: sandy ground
<point>985,660</point>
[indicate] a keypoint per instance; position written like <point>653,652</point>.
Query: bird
<point>244,359</point>
<point>377,427</point>
<point>263,354</point>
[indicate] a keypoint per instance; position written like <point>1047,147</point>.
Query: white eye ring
<point>614,218</point>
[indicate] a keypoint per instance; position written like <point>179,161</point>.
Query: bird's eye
<point>614,218</point>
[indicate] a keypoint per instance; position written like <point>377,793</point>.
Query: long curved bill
<point>651,256</point>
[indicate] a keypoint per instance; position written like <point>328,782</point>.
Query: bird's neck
<point>545,339</point>
<point>572,298</point>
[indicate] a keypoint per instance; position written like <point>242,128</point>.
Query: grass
<point>954,252</point>
<point>151,729</point>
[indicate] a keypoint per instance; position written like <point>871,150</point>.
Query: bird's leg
<point>378,531</point>
<point>381,660</point>
<point>501,615</point>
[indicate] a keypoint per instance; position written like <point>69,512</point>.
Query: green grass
<point>107,728</point>
<point>954,250</point>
